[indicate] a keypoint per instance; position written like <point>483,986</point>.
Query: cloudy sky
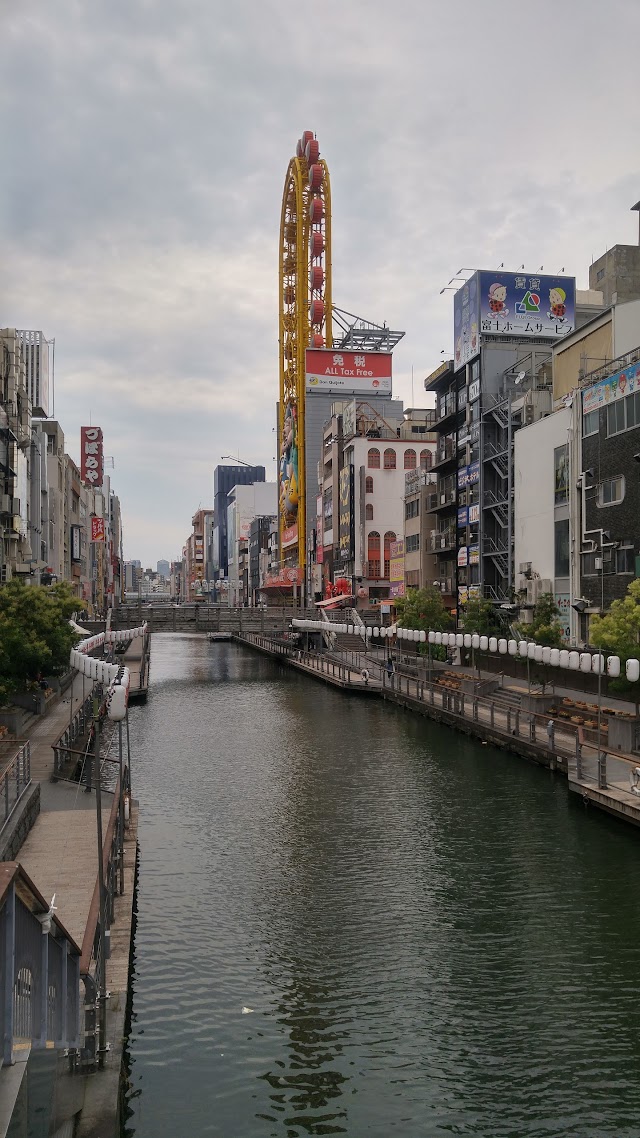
<point>145,148</point>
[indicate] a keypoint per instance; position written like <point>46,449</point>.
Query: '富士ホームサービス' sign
<point>356,372</point>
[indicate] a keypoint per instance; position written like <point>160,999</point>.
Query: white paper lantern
<point>523,647</point>
<point>503,647</point>
<point>531,651</point>
<point>554,657</point>
<point>459,640</point>
<point>564,658</point>
<point>376,631</point>
<point>537,653</point>
<point>546,653</point>
<point>438,638</point>
<point>423,637</point>
<point>432,638</point>
<point>475,640</point>
<point>613,666</point>
<point>467,639</point>
<point>585,661</point>
<point>484,644</point>
<point>574,661</point>
<point>598,664</point>
<point>632,669</point>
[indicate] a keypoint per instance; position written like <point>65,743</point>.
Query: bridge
<point>203,617</point>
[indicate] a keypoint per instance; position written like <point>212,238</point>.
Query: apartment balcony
<point>447,407</point>
<point>443,540</point>
<point>445,497</point>
<point>445,453</point>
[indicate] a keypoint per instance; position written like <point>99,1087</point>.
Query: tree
<point>35,634</point>
<point>618,634</point>
<point>423,609</point>
<point>481,617</point>
<point>546,628</point>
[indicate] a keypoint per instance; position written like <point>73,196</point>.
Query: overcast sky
<point>145,144</point>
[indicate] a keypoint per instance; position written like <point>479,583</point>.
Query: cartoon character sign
<point>497,297</point>
<point>289,466</point>
<point>557,309</point>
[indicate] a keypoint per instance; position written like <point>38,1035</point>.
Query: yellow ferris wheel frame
<point>295,326</point>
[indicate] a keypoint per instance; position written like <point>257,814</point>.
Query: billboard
<point>346,528</point>
<point>97,529</point>
<point>396,569</point>
<point>75,543</point>
<point>289,477</point>
<point>361,373</point>
<point>615,386</point>
<point>511,304</point>
<point>91,456</point>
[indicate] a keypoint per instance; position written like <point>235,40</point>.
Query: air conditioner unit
<point>529,414</point>
<point>525,568</point>
<point>15,506</point>
<point>544,586</point>
<point>532,592</point>
<point>526,616</point>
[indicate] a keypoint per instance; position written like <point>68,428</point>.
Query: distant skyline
<point>141,220</point>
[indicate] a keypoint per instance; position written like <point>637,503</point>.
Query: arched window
<point>368,512</point>
<point>368,485</point>
<point>373,553</point>
<point>373,459</point>
<point>426,460</point>
<point>389,459</point>
<point>388,538</point>
<point>23,1004</point>
<point>410,460</point>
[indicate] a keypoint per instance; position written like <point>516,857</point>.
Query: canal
<point>352,921</point>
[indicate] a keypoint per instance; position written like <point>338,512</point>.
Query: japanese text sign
<point>91,457</point>
<point>97,529</point>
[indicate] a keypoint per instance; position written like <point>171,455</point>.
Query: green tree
<point>35,634</point>
<point>423,609</point>
<point>546,628</point>
<point>618,634</point>
<point>481,617</point>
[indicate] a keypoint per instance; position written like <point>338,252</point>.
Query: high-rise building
<point>163,569</point>
<point>36,353</point>
<point>224,479</point>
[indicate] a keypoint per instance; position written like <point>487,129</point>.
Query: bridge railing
<point>39,970</point>
<point>15,779</point>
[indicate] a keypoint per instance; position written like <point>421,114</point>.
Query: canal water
<point>352,921</point>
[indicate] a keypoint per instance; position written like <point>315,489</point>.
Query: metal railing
<point>64,746</point>
<point>14,781</point>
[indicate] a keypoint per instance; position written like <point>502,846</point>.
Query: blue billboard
<point>511,304</point>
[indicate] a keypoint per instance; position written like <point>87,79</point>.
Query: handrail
<point>15,779</point>
<point>72,732</point>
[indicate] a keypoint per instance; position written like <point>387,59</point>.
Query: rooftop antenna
<point>412,385</point>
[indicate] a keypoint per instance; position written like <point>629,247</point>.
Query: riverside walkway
<point>526,733</point>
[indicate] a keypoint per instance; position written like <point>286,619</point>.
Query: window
<point>623,414</point>
<point>590,423</point>
<point>373,459</point>
<point>412,509</point>
<point>590,566</point>
<point>368,484</point>
<point>410,460</point>
<point>599,275</point>
<point>388,538</point>
<point>426,460</point>
<point>368,512</point>
<point>561,536</point>
<point>561,476</point>
<point>373,553</point>
<point>625,559</point>
<point>412,543</point>
<point>389,459</point>
<point>611,491</point>
<point>412,579</point>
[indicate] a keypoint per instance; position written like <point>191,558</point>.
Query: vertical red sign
<point>91,458</point>
<point>97,529</point>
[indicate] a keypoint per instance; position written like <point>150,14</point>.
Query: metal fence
<point>75,731</point>
<point>15,779</point>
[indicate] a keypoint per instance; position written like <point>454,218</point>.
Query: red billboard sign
<point>97,529</point>
<point>361,373</point>
<point>91,457</point>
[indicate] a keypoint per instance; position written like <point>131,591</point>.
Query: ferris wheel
<point>305,322</point>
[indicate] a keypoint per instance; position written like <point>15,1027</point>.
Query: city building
<point>163,569</point>
<point>420,564</point>
<point>616,274</point>
<point>260,531</point>
<point>56,501</point>
<point>361,502</point>
<point>244,503</point>
<point>15,444</point>
<point>224,480</point>
<point>36,351</point>
<point>194,556</point>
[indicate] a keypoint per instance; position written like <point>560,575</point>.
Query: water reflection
<point>432,937</point>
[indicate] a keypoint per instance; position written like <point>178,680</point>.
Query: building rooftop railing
<point>610,368</point>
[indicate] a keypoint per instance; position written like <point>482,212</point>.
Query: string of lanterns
<point>571,659</point>
<point>116,676</point>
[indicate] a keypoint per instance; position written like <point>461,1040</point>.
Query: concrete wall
<point>534,491</point>
<point>617,274</point>
<point>626,327</point>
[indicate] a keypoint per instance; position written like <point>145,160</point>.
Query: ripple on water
<point>431,938</point>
